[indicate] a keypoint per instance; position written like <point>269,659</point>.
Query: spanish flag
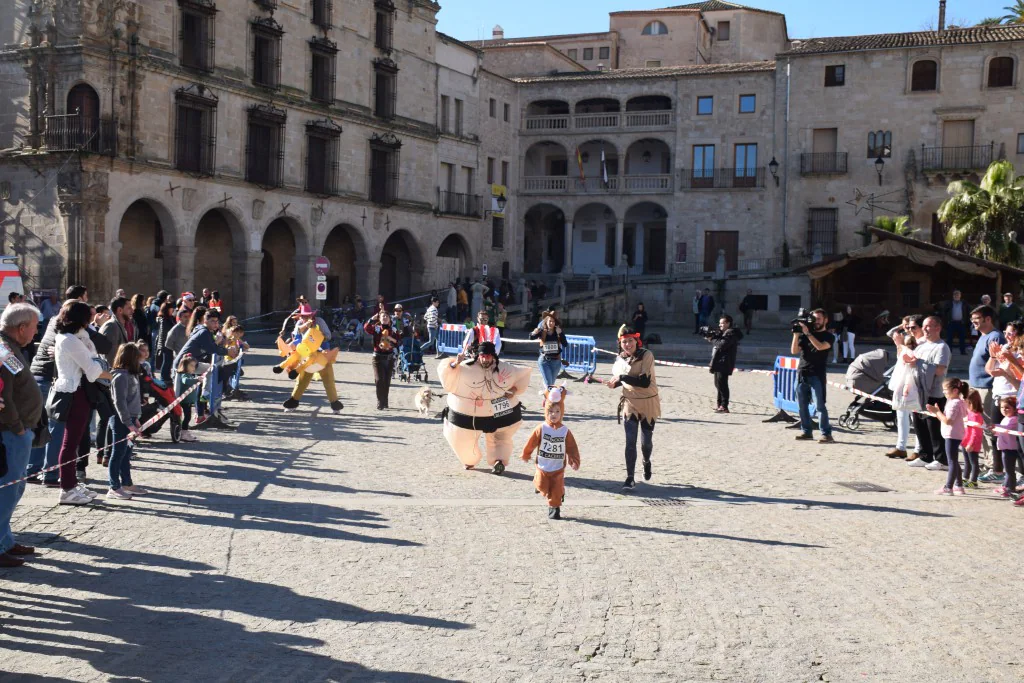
<point>579,162</point>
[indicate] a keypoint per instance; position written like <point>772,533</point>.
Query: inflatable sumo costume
<point>304,359</point>
<point>483,400</point>
<point>555,447</point>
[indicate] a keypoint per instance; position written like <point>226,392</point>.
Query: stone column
<point>620,230</point>
<point>367,280</point>
<point>305,276</point>
<point>184,269</point>
<point>567,250</point>
<point>247,281</point>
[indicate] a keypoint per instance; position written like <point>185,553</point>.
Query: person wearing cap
<point>402,320</point>
<point>640,404</point>
<point>483,400</point>
<point>321,363</point>
<point>1008,311</point>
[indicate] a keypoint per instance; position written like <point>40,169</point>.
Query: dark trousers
<point>959,329</point>
<point>696,323</point>
<point>78,420</point>
<point>994,416</point>
<point>955,475</point>
<point>722,385</point>
<point>634,425</point>
<point>383,364</point>
<point>104,411</point>
<point>971,466</point>
<point>929,434</point>
<point>166,363</point>
<point>1010,469</point>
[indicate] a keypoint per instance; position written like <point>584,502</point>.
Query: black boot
<point>647,469</point>
<point>554,513</point>
<point>499,467</point>
<point>290,405</point>
<point>336,406</point>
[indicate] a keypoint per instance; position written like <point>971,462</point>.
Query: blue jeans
<point>549,370</point>
<point>166,364</point>
<point>431,339</point>
<point>804,388</point>
<point>51,453</point>
<point>38,455</point>
<point>18,448</point>
<point>120,469</point>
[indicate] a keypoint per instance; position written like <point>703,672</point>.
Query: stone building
<point>228,143</point>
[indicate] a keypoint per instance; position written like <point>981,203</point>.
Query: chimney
<point>499,33</point>
<point>942,15</point>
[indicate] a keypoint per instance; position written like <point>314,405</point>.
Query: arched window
<point>655,28</point>
<point>1000,72</point>
<point>924,76</point>
<point>880,144</point>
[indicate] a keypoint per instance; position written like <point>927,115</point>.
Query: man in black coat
<point>725,343</point>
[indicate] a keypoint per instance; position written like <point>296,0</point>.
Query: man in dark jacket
<point>725,341</point>
<point>22,407</point>
<point>115,329</point>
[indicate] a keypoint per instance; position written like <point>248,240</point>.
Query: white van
<point>10,279</point>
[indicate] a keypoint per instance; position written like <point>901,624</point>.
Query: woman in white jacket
<point>76,363</point>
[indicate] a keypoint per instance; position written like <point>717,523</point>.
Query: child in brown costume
<point>554,445</point>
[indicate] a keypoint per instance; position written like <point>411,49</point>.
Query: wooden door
<point>725,240</point>
<point>654,248</point>
<point>958,134</point>
<point>825,140</point>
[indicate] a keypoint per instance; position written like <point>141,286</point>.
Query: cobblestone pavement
<point>309,547</point>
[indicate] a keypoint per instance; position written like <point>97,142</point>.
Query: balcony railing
<point>648,119</point>
<point>636,184</point>
<point>722,178</point>
<point>829,163</point>
<point>618,120</point>
<point>603,120</point>
<point>457,204</point>
<point>73,132</point>
<point>648,183</point>
<point>559,122</point>
<point>971,158</point>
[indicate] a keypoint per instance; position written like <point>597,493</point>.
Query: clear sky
<point>474,19</point>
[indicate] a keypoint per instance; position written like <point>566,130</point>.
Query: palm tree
<point>991,21</point>
<point>897,225</point>
<point>1016,13</point>
<point>984,220</point>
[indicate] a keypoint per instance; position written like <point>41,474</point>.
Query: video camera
<point>802,316</point>
<point>706,331</point>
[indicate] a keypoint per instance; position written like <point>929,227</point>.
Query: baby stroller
<point>410,360</point>
<point>870,373</point>
<point>157,398</point>
<point>352,334</point>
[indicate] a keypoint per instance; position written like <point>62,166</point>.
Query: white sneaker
<point>917,463</point>
<point>936,465</point>
<point>188,437</point>
<point>89,493</point>
<point>74,497</point>
<point>118,494</point>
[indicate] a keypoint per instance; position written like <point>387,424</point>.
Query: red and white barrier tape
<point>149,423</point>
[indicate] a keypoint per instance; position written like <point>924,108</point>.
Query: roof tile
<point>651,72</point>
<point>887,41</point>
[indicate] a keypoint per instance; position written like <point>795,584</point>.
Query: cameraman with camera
<point>812,342</point>
<point>726,342</point>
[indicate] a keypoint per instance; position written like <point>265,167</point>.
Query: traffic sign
<point>322,265</point>
<point>483,269</point>
<point>321,291</point>
<point>321,278</point>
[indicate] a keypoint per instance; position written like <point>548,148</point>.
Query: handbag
<point>58,405</point>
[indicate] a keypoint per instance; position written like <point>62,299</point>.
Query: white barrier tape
<point>673,364</point>
<point>149,423</point>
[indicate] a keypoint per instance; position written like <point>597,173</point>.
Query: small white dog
<point>422,400</point>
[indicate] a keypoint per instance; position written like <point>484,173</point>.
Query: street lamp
<point>501,201</point>
<point>879,167</point>
<point>773,166</point>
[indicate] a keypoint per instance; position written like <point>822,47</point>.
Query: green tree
<point>1016,13</point>
<point>991,21</point>
<point>984,220</point>
<point>897,225</point>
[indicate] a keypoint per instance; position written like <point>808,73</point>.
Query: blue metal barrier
<point>580,354</point>
<point>450,337</point>
<point>784,394</point>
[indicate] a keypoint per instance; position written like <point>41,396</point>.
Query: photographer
<point>725,342</point>
<point>813,346</point>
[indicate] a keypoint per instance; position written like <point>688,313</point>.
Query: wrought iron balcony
<point>829,163</point>
<point>722,178</point>
<point>971,158</point>
<point>458,204</point>
<point>73,132</point>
